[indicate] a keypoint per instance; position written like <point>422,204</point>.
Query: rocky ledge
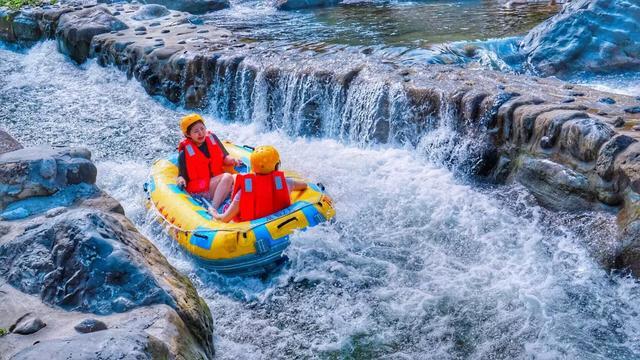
<point>575,148</point>
<point>77,280</point>
<point>597,36</point>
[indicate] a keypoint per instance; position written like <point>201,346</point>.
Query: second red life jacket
<point>262,195</point>
<point>201,169</point>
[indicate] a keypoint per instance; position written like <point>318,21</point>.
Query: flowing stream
<point>421,263</point>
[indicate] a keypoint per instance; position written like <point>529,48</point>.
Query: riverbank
<point>77,278</point>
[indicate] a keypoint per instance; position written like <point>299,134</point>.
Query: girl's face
<point>198,132</point>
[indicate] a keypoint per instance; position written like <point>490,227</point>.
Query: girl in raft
<point>262,192</point>
<point>201,157</point>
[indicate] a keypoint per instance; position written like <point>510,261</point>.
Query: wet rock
<point>304,4</point>
<point>618,122</point>
<point>554,185</point>
<point>140,28</point>
<point>597,36</point>
<point>8,143</point>
<point>583,138</point>
<point>607,100</point>
<point>150,11</point>
<point>42,171</point>
<point>608,153</point>
<point>27,324</point>
<point>632,110</point>
<point>26,27</point>
<point>77,29</point>
<point>90,325</point>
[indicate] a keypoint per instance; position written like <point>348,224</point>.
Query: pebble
<point>619,122</point>
<point>28,326</point>
<point>164,31</point>
<point>140,33</point>
<point>154,24</point>
<point>140,28</point>
<point>116,13</point>
<point>632,110</point>
<point>567,100</point>
<point>607,100</point>
<point>90,325</point>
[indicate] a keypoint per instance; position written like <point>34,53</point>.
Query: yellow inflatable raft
<point>246,248</point>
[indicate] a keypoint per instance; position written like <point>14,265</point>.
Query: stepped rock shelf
<point>575,148</point>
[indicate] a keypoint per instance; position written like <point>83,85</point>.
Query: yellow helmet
<point>189,120</point>
<point>264,159</point>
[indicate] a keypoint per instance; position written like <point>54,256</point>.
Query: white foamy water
<point>419,264</point>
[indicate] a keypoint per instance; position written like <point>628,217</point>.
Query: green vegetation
<point>17,4</point>
<point>3,332</point>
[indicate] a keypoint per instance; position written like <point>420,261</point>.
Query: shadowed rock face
<point>83,255</point>
<point>598,36</point>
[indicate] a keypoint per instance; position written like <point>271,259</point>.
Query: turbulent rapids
<point>418,262</point>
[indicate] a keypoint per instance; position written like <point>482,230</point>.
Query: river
<point>421,262</point>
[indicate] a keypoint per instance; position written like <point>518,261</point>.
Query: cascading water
<point>417,265</point>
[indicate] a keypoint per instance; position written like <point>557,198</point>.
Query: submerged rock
<point>191,6</point>
<point>304,4</point>
<point>597,36</point>
<point>150,11</point>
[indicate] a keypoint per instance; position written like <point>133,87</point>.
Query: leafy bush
<point>17,4</point>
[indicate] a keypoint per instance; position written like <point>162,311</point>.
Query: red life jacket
<point>201,169</point>
<point>262,195</point>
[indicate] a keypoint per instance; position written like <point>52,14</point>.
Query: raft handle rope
<point>287,221</point>
<point>248,147</point>
<point>321,186</point>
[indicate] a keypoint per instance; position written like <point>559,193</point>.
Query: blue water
<point>419,264</point>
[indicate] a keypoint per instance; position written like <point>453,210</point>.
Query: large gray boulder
<point>68,244</point>
<point>597,36</point>
<point>76,29</point>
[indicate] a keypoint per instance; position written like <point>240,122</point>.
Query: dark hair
<point>192,125</point>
